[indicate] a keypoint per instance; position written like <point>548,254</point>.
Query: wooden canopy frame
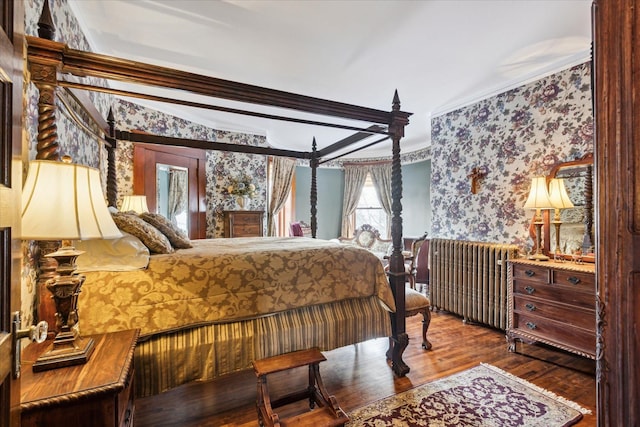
<point>50,61</point>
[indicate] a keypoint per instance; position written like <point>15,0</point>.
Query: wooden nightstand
<point>97,393</point>
<point>243,223</point>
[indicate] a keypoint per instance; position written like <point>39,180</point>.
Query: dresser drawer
<point>533,272</point>
<point>247,230</point>
<point>580,317</point>
<point>581,281</point>
<point>126,404</point>
<point>243,219</point>
<point>555,293</point>
<point>547,330</point>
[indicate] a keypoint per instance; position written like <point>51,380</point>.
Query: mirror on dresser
<point>576,239</point>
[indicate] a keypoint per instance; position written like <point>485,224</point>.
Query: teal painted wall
<point>416,208</point>
<point>330,183</point>
<point>416,195</point>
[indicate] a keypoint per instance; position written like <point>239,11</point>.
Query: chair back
<point>422,261</point>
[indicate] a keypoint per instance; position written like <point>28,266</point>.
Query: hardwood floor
<point>358,375</point>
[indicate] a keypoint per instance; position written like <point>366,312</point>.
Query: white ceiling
<point>439,55</point>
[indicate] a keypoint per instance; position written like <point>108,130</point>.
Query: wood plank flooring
<point>357,375</point>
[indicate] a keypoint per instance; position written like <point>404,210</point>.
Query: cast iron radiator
<point>470,279</point>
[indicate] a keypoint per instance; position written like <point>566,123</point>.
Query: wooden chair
<point>369,238</point>
<point>416,302</point>
<point>419,265</point>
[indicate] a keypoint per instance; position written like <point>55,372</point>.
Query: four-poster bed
<point>54,65</point>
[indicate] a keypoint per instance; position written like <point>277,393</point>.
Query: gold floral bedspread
<point>221,280</point>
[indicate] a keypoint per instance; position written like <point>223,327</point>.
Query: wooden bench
<point>327,412</point>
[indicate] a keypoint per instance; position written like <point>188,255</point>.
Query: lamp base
<point>64,352</point>
<point>539,257</point>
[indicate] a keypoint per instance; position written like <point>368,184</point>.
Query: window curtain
<point>281,178</point>
<point>177,201</point>
<point>381,177</point>
<point>354,179</point>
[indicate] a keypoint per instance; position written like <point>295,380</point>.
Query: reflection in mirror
<point>172,194</point>
<point>576,223</point>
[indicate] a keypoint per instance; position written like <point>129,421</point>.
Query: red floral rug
<point>480,396</point>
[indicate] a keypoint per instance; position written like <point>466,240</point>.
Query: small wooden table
<point>97,393</point>
<point>328,412</point>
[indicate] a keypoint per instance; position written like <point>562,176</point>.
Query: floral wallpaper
<point>73,141</point>
<point>220,166</point>
<point>511,137</point>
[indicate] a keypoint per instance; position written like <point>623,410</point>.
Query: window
<point>369,210</point>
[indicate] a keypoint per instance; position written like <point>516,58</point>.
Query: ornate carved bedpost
<point>112,185</point>
<point>399,120</point>
<point>314,187</point>
<point>44,76</point>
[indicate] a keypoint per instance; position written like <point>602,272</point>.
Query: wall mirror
<point>172,191</point>
<point>575,235</point>
<point>156,168</point>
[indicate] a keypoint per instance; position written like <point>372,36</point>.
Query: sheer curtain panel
<point>281,178</point>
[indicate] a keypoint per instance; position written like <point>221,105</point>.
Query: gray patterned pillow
<point>150,236</point>
<point>176,236</point>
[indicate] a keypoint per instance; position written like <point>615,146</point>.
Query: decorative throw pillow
<point>125,253</point>
<point>176,236</point>
<point>150,236</point>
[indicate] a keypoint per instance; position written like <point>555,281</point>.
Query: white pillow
<point>125,253</point>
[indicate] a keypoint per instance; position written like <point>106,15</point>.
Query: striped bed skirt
<point>164,361</point>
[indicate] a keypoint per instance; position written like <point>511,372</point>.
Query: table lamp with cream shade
<point>538,199</point>
<point>64,201</point>
<point>560,200</point>
<point>136,203</point>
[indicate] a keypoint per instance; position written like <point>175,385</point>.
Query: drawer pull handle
<point>531,325</point>
<point>531,307</point>
<point>530,290</point>
<point>574,280</point>
<point>530,273</point>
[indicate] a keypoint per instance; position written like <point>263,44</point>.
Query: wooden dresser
<point>553,303</point>
<point>243,223</point>
<point>97,393</point>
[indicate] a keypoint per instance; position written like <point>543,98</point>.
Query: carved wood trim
<point>82,63</point>
<point>617,161</point>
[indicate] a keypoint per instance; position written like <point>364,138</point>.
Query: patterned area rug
<point>480,396</point>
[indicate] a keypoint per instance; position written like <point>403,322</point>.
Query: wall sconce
<point>64,201</point>
<point>138,204</point>
<point>560,200</point>
<point>538,199</point>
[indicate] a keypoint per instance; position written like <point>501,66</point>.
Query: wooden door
<point>11,75</point>
<point>617,167</point>
<point>145,159</point>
